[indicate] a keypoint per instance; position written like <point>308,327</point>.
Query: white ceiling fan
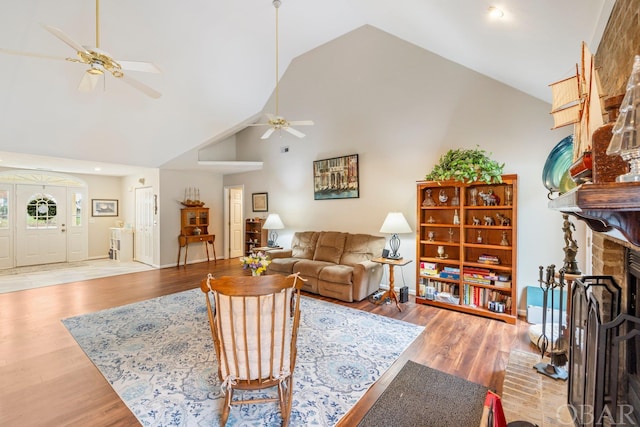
<point>98,61</point>
<point>277,122</point>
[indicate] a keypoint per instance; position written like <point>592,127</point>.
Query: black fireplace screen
<point>604,367</point>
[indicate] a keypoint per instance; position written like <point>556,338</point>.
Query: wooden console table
<point>207,239</point>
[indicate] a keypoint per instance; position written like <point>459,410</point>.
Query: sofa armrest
<point>279,253</point>
<point>366,279</point>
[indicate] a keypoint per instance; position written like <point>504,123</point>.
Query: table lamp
<point>394,224</point>
<point>273,223</point>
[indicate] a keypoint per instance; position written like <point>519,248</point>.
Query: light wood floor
<point>46,379</point>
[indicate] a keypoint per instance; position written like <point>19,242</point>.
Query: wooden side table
<point>207,239</point>
<point>391,292</point>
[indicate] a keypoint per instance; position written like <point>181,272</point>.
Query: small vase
<point>255,273</point>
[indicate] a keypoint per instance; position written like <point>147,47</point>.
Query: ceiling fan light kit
<point>277,122</point>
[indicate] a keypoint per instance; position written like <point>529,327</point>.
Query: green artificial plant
<point>466,165</point>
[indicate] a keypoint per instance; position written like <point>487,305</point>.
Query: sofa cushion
<point>337,274</point>
<point>303,244</point>
<point>308,268</point>
<point>361,247</point>
<point>282,265</point>
<point>330,246</point>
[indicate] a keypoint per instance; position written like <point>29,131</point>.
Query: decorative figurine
<point>428,200</point>
<point>476,220</point>
<point>508,194</point>
<point>456,218</point>
<point>479,238</point>
<point>455,200</point>
<point>570,248</point>
<point>489,198</point>
<point>473,193</point>
<point>451,235</point>
<point>488,220</point>
<point>504,241</point>
<point>431,235</point>
<point>442,197</point>
<point>503,219</point>
<point>441,253</point>
<point>431,220</point>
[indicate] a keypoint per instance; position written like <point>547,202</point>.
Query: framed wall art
<point>336,178</point>
<point>260,202</point>
<point>104,207</point>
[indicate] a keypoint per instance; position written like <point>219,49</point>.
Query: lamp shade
<point>273,222</point>
<point>394,223</point>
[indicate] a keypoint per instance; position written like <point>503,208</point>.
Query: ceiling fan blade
<point>145,67</point>
<point>140,86</point>
<point>65,38</point>
<point>89,81</point>
<point>268,133</point>
<point>295,132</point>
<point>258,124</point>
<point>33,55</point>
<point>302,123</point>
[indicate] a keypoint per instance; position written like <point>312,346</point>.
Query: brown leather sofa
<point>336,265</point>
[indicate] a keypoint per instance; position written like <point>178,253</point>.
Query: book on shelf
<point>502,284</point>
<point>428,265</point>
<point>448,275</point>
<point>488,259</point>
<point>476,280</point>
<point>454,270</point>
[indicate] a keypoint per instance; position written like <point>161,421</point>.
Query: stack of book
<point>482,276</point>
<point>450,273</point>
<point>428,268</point>
<point>488,259</point>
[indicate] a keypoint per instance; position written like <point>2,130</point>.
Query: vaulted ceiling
<point>218,64</point>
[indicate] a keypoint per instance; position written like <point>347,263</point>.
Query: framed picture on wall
<point>336,178</point>
<point>104,207</point>
<point>260,202</point>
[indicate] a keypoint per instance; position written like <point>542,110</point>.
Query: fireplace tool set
<point>552,340</point>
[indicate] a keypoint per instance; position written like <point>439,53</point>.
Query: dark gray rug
<point>421,396</point>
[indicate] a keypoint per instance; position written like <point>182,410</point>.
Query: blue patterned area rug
<point>158,356</point>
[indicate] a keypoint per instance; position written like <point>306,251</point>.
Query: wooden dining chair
<point>254,324</point>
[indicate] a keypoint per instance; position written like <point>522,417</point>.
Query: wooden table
<point>207,239</point>
<point>391,292</point>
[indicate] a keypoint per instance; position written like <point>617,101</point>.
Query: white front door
<point>145,211</point>
<point>41,224</point>
<point>236,234</point>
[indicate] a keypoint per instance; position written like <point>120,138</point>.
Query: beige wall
<point>399,108</point>
<point>173,183</point>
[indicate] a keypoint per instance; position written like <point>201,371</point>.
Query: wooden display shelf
<point>463,250</point>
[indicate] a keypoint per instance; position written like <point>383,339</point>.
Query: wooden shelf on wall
<point>604,207</point>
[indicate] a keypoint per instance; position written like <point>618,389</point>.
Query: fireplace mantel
<point>605,206</point>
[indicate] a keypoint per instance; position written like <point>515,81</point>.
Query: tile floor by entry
<point>22,278</point>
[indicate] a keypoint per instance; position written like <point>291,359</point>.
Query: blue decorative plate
<point>558,162</point>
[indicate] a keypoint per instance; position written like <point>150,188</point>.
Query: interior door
<point>145,210</point>
<point>41,224</point>
<point>6,226</point>
<point>236,234</point>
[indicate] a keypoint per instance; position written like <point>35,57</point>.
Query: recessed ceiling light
<point>495,12</point>
<point>97,169</point>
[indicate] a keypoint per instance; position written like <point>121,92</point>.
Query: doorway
<point>146,210</point>
<point>233,221</point>
<point>43,218</point>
